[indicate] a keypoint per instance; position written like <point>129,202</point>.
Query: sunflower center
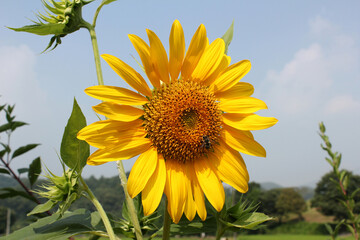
<point>182,120</point>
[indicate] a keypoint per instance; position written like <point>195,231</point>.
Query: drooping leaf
<point>74,152</point>
<point>9,193</point>
<point>42,29</point>
<point>5,171</point>
<point>34,170</point>
<point>228,36</point>
<point>42,208</point>
<point>80,221</point>
<point>23,149</point>
<point>22,170</point>
<point>107,1</point>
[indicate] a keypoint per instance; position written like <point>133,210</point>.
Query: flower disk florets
<point>179,117</point>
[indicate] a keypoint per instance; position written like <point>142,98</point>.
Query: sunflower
<point>188,129</point>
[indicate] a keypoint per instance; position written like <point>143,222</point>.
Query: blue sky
<point>305,65</point>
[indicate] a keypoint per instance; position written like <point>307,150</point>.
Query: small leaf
<point>11,126</point>
<point>22,170</point>
<point>42,208</point>
<point>23,149</point>
<point>250,221</point>
<point>3,170</point>
<point>329,229</point>
<point>228,36</point>
<point>34,170</point>
<point>74,152</point>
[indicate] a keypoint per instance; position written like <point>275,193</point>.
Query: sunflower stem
<point>220,230</point>
<point>100,209</point>
<point>94,43</point>
<point>167,223</point>
<point>129,201</point>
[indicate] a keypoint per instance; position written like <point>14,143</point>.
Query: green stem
<point>96,52</point>
<point>129,201</point>
<point>100,209</point>
<point>167,223</point>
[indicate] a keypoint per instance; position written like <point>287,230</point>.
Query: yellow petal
<point>242,143</point>
<point>118,112</point>
<point>190,206</point>
<point>209,61</point>
<point>158,56</point>
<point>141,172</point>
<point>175,189</point>
<point>177,49</point>
<point>242,105</point>
<point>197,47</point>
<point>107,139</point>
<point>198,194</point>
<point>128,149</point>
<point>153,191</point>
<point>106,126</point>
<point>133,78</point>
<point>144,52</point>
<point>248,121</point>
<point>230,167</point>
<point>116,94</point>
<point>222,66</point>
<point>210,183</point>
<point>241,89</point>
<point>231,76</point>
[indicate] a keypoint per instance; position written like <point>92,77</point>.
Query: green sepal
<point>74,152</point>
<point>23,149</point>
<point>228,36</point>
<point>34,170</point>
<point>42,208</point>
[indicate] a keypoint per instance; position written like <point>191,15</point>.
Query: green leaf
<point>352,196</point>
<point>74,152</point>
<point>80,221</point>
<point>228,36</point>
<point>42,208</point>
<point>3,170</point>
<point>34,170</point>
<point>9,193</point>
<point>11,126</point>
<point>249,221</point>
<point>42,29</point>
<point>23,149</point>
<point>329,229</point>
<point>22,170</point>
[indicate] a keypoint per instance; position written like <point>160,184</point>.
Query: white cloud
<point>342,104</point>
<point>316,72</point>
<point>18,83</point>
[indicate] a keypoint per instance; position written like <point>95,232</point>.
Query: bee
<point>205,142</point>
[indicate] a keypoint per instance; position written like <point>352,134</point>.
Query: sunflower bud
<point>61,18</point>
<point>62,190</point>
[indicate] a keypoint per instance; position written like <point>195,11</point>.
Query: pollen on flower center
<point>178,117</point>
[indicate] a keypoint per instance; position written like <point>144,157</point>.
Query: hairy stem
<point>100,209</point>
<point>129,201</point>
